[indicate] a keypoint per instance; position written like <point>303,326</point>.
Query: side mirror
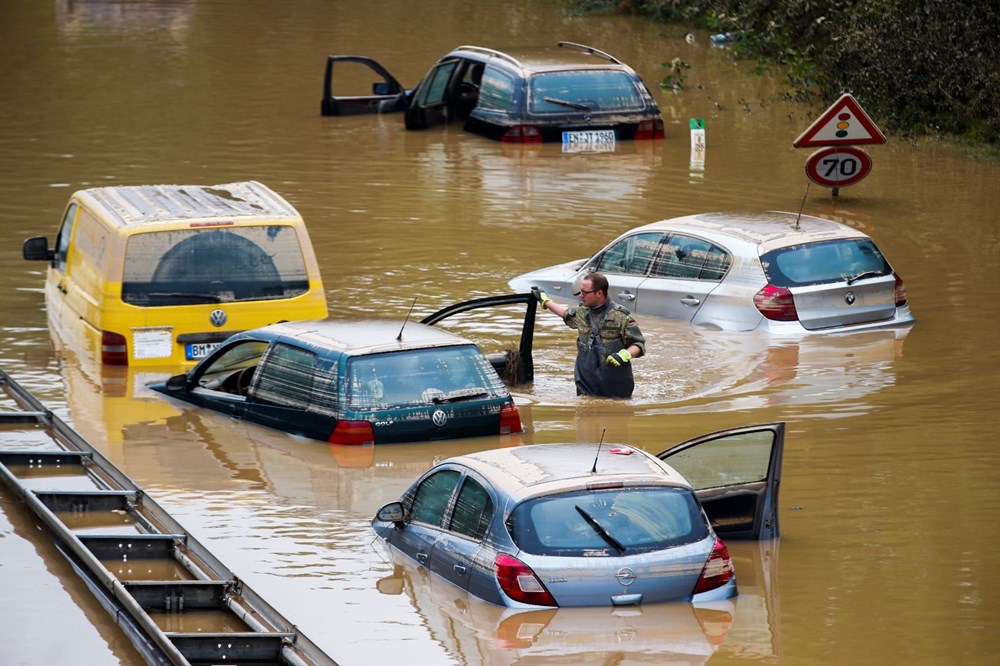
<point>380,88</point>
<point>177,383</point>
<point>391,513</point>
<point>37,248</point>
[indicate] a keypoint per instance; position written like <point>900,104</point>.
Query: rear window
<point>421,377</point>
<point>214,265</point>
<point>817,263</point>
<point>608,523</point>
<point>595,90</point>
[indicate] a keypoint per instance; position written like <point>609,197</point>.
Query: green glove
<point>542,297</point>
<point>619,358</point>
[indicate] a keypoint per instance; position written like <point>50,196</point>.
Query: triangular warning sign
<point>844,123</point>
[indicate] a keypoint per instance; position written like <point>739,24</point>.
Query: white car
<point>777,272</point>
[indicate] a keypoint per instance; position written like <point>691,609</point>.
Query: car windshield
<point>818,263</point>
<point>420,377</point>
<point>605,523</point>
<point>214,265</point>
<point>583,90</point>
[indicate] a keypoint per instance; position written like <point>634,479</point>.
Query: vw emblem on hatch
<point>849,298</point>
<point>218,318</point>
<point>625,576</point>
<point>439,418</point>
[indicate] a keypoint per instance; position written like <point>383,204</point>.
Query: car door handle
<point>421,557</point>
<point>625,296</point>
<point>460,569</point>
<point>690,300</point>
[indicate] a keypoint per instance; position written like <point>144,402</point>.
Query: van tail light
<point>520,583</point>
<point>650,129</point>
<point>717,571</point>
<point>776,303</point>
<point>510,419</point>
<point>899,292</point>
<point>352,432</point>
<point>522,134</point>
<point>114,348</point>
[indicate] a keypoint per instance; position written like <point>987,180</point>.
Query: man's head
<point>594,290</point>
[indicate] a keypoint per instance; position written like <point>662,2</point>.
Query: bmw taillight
<point>522,134</point>
<point>352,432</point>
<point>510,419</point>
<point>776,303</point>
<point>717,571</point>
<point>650,129</point>
<point>899,292</point>
<point>519,582</point>
<point>114,348</point>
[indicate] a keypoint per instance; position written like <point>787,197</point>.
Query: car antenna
<point>593,470</point>
<point>799,216</point>
<point>400,336</point>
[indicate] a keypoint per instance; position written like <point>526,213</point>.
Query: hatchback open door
<point>735,474</point>
<point>386,94</point>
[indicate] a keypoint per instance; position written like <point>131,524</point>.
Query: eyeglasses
<point>584,292</point>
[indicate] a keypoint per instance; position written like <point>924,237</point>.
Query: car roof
<point>763,230</point>
<point>540,469</point>
<point>534,59</point>
<point>131,205</point>
<point>365,336</point>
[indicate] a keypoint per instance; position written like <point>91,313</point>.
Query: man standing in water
<point>608,338</point>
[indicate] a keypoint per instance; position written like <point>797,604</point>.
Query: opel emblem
<point>439,418</point>
<point>849,298</point>
<point>625,576</point>
<point>218,318</point>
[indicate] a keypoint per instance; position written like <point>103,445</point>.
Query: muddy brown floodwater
<point>890,489</point>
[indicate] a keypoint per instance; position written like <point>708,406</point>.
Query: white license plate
<point>588,141</point>
<point>200,350</point>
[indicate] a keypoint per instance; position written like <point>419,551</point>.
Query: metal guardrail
<point>48,481</point>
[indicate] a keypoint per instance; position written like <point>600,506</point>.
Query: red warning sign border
<point>807,139</point>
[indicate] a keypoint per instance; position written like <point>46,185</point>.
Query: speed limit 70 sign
<point>838,166</point>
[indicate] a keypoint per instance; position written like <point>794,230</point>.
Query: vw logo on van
<point>849,298</point>
<point>439,418</point>
<point>218,318</point>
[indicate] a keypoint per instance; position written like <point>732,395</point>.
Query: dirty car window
<point>598,90</point>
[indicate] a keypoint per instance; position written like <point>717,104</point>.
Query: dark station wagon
<point>571,93</point>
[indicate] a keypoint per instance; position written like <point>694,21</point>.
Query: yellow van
<point>158,275</point>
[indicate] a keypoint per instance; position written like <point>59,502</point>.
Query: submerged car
<point>361,382</point>
<point>591,524</point>
<point>570,93</point>
<point>777,272</point>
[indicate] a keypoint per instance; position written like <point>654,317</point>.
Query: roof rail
<point>590,49</point>
<point>493,53</point>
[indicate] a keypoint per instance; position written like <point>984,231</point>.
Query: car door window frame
<point>438,506</point>
<point>632,262</point>
<point>436,88</point>
<point>482,521</point>
<point>676,259</point>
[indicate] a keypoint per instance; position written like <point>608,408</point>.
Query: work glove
<point>542,297</point>
<point>619,358</point>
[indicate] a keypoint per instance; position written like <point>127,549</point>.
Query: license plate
<point>200,350</point>
<point>588,141</point>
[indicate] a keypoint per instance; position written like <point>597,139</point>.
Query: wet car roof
<point>542,58</point>
<point>360,337</point>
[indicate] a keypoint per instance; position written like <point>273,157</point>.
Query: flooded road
<point>890,485</point>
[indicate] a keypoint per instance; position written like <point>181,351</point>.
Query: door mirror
<point>177,383</point>
<point>391,513</point>
<point>37,248</point>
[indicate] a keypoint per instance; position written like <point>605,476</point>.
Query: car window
<point>608,522</point>
<point>189,266</point>
<point>688,257</point>
<point>632,255</point>
<point>418,377</point>
<point>231,358</point>
<point>431,499</point>
<point>496,91</point>
<point>473,510</point>
<point>434,89</point>
<point>286,377</point>
<point>598,90</point>
<point>62,240</point>
<point>816,263</point>
<point>735,459</point>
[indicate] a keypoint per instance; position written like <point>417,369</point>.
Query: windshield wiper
<point>603,533</point>
<point>864,274</point>
<point>459,395</point>
<point>183,296</point>
<point>563,102</point>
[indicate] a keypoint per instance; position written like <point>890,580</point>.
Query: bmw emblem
<point>625,576</point>
<point>439,418</point>
<point>218,318</point>
<point>849,298</point>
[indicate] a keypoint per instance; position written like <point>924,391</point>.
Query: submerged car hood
<point>558,279</point>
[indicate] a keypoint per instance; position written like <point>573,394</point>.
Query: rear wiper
<point>563,102</point>
<point>860,276</point>
<point>603,533</point>
<point>459,395</point>
<point>183,295</point>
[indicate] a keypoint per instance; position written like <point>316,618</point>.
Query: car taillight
<point>717,571</point>
<point>520,583</point>
<point>352,432</point>
<point>510,419</point>
<point>776,303</point>
<point>522,134</point>
<point>650,129</point>
<point>114,348</point>
<point>899,292</point>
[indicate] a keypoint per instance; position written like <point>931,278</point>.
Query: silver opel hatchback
<point>777,272</point>
<point>591,524</point>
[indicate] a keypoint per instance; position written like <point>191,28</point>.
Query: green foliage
<point>675,74</point>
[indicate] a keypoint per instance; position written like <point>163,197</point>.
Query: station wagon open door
<point>735,474</point>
